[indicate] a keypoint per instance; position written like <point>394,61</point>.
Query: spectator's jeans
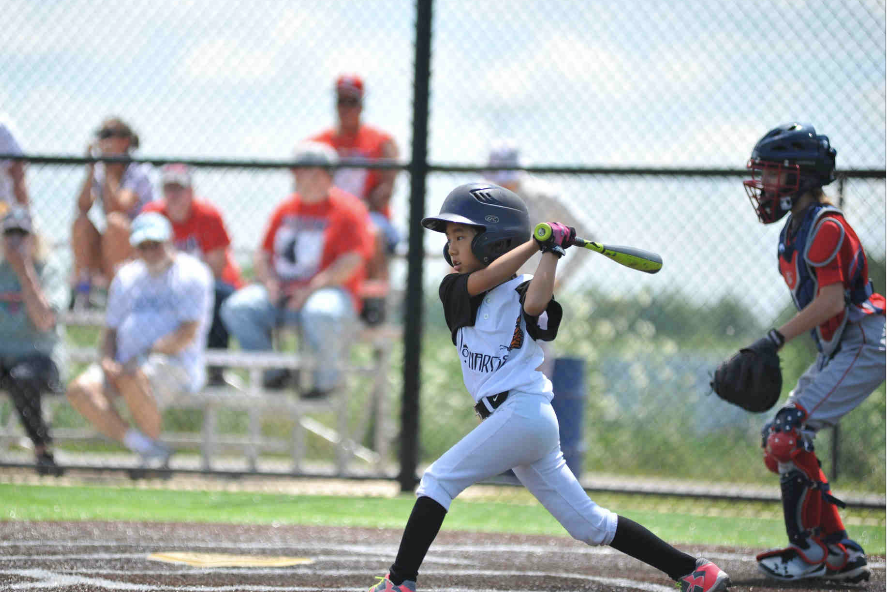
<point>326,319</point>
<point>392,236</point>
<point>218,334</point>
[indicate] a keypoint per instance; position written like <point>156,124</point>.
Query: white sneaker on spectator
<point>157,456</point>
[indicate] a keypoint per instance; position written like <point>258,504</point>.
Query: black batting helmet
<point>501,217</point>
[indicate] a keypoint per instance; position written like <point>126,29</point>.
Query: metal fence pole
<point>836,431</point>
<point>409,415</point>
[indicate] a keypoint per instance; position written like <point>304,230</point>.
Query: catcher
<point>825,268</point>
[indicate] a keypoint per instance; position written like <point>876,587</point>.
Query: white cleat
<point>789,564</point>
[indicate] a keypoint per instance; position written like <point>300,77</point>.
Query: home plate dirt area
<point>97,556</point>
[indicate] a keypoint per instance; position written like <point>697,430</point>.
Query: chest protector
<point>799,273</point>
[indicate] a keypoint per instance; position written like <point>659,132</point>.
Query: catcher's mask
<point>787,162</point>
<point>500,216</point>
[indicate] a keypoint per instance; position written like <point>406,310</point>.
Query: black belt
<point>493,400</point>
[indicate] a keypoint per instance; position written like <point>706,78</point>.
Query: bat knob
<point>542,232</point>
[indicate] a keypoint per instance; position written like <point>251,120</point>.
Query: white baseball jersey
<point>497,345</point>
<point>495,339</point>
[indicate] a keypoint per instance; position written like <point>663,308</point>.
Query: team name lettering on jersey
<point>480,362</point>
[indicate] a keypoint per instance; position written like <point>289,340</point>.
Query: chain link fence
<point>639,116</point>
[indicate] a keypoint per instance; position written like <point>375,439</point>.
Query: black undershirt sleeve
<point>460,308</point>
<point>555,314</point>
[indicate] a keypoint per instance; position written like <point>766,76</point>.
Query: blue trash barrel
<point>568,382</point>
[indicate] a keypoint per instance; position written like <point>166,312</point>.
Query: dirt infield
<point>98,556</point>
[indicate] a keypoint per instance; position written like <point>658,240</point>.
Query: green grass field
<point>678,520</point>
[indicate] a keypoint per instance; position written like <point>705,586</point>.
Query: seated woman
<point>121,189</point>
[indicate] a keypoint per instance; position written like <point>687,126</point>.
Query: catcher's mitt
<point>752,378</point>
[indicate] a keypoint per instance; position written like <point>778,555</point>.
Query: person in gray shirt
<point>32,291</point>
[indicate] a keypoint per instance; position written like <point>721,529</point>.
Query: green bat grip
<point>542,231</point>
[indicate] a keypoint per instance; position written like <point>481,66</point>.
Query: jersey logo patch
<point>789,270</point>
<point>517,339</point>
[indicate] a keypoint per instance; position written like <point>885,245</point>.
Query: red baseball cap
<point>350,85</point>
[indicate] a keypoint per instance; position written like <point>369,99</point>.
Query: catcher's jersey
<point>825,250</point>
<point>495,338</point>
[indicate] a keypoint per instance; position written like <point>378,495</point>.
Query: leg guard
<point>804,502</point>
<point>829,521</point>
<point>811,518</point>
<point>801,506</point>
<point>806,554</point>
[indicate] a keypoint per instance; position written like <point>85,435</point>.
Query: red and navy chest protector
<point>825,246</point>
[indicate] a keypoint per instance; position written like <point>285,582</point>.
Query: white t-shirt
<point>8,145</point>
<point>143,308</point>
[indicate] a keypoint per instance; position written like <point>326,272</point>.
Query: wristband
<point>557,250</point>
<point>776,337</point>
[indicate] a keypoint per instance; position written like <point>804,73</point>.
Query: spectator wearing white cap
<point>159,307</point>
<point>542,198</point>
<point>545,202</point>
<point>355,140</point>
<point>199,230</point>
<point>309,268</point>
<point>32,353</point>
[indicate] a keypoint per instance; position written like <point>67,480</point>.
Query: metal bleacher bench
<point>258,403</point>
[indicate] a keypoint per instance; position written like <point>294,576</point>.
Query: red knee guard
<point>783,446</point>
<point>771,462</point>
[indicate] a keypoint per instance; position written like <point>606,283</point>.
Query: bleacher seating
<point>257,402</point>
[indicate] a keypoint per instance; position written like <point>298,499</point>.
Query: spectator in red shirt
<point>355,140</point>
<point>309,267</point>
<point>198,229</point>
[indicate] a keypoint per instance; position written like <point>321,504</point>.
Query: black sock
<point>422,527</point>
<point>635,540</point>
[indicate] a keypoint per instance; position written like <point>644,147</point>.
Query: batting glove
<point>561,238</point>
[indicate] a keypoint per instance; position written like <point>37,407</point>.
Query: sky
<point>606,83</point>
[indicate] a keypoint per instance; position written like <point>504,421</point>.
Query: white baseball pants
<point>521,435</point>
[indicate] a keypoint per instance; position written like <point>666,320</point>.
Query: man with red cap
<point>357,141</point>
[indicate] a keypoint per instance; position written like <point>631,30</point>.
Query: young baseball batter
<point>496,320</point>
<point>825,267</point>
